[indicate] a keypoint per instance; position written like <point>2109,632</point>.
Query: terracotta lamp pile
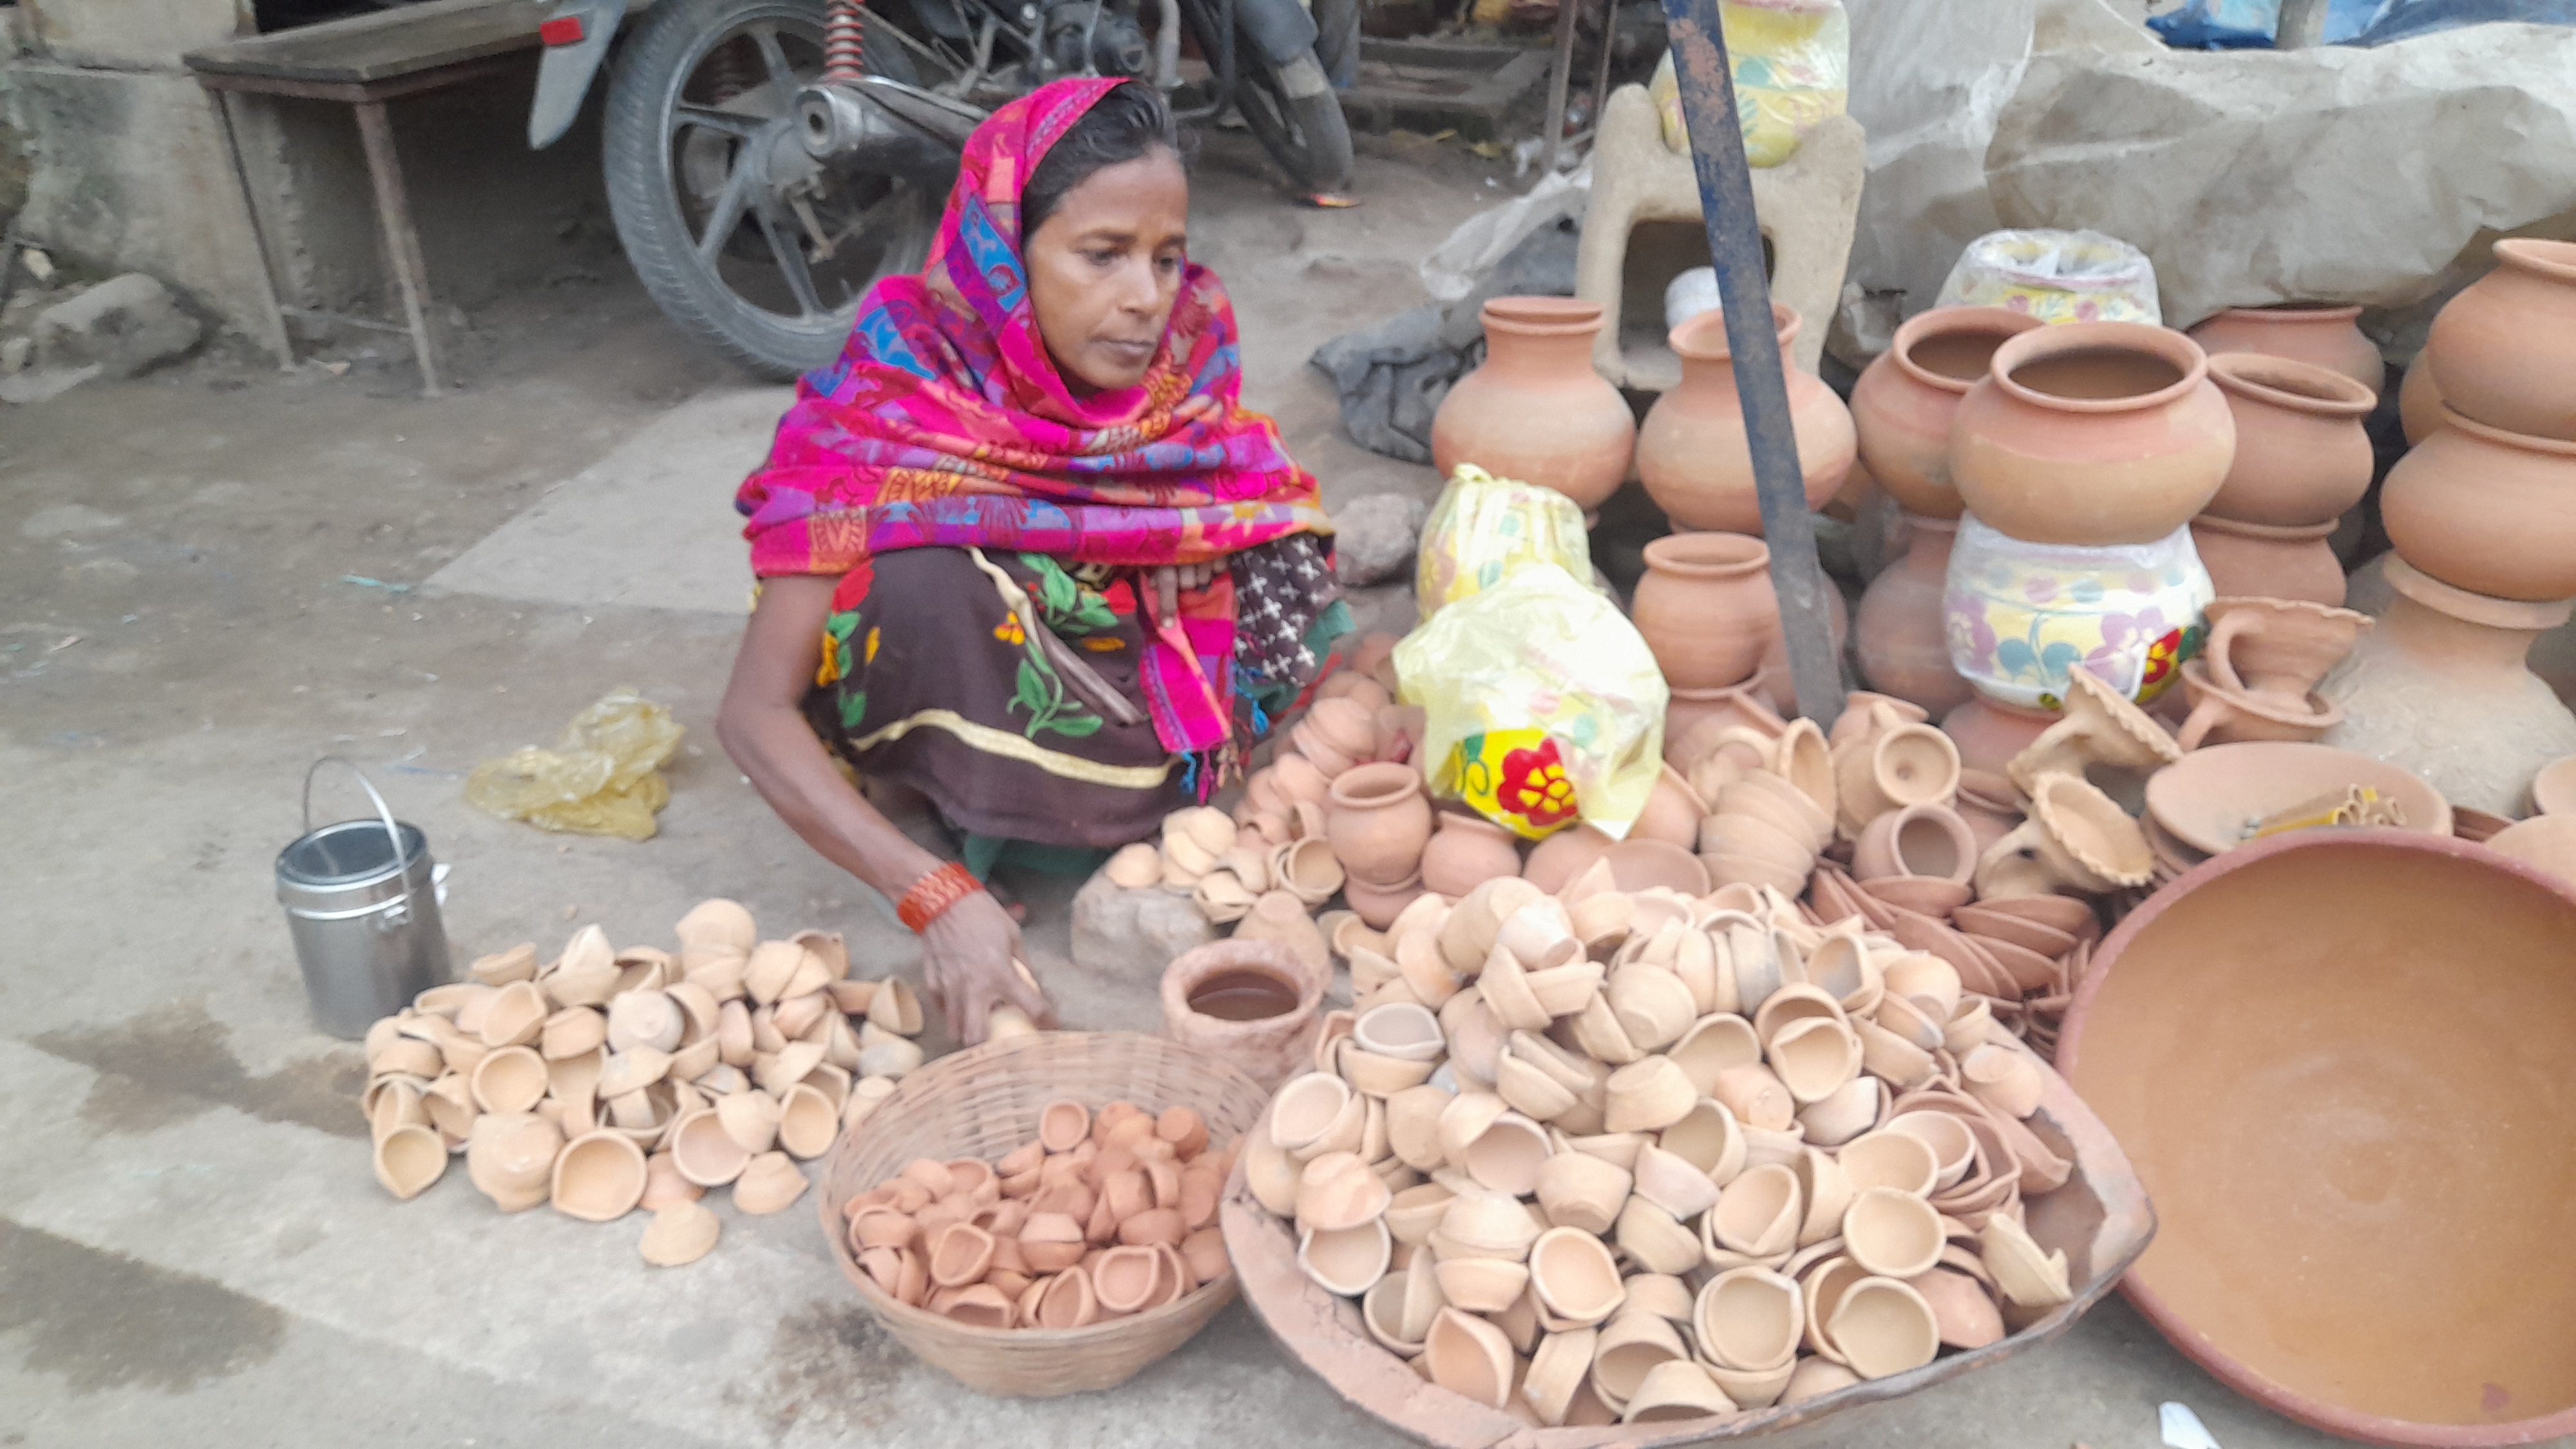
<point>2482,514</point>
<point>606,1080</point>
<point>1104,1214</point>
<point>1615,1154</point>
<point>2081,455</point>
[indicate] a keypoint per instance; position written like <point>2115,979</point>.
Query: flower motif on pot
<point>2018,614</point>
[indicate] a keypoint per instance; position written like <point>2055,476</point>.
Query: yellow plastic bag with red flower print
<point>1543,705</point>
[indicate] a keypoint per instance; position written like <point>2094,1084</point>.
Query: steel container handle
<point>401,911</point>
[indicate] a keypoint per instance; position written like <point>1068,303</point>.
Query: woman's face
<point>1105,266</point>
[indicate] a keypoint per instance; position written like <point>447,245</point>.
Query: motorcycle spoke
<point>685,115</point>
<point>791,260</point>
<point>727,214</point>
<point>774,58</point>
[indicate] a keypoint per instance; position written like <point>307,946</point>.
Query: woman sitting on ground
<point>1020,549</point>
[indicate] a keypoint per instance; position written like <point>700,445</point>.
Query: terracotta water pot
<point>1465,852</point>
<point>1691,451</point>
<point>1269,1049</point>
<point>2092,433</point>
<point>2486,510</point>
<point>1905,400</point>
<point>1989,734</point>
<point>2268,561</point>
<point>2461,1115</point>
<point>2320,336</point>
<point>1903,644</point>
<point>2419,403</point>
<point>2504,350</point>
<point>2302,455</point>
<point>1378,823</point>
<point>2278,648</point>
<point>1706,608</point>
<point>1535,410</point>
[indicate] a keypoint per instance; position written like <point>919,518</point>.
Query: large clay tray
<point>2101,1217</point>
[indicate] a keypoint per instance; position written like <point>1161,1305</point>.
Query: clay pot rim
<point>1353,787</point>
<point>1688,338</point>
<point>1540,316</point>
<point>2518,442</point>
<point>2161,343</point>
<point>2269,532</point>
<point>1946,322</point>
<point>2555,260</point>
<point>2292,385</point>
<point>2290,312</point>
<point>2459,603</point>
<point>2281,1398</point>
<point>1673,554</point>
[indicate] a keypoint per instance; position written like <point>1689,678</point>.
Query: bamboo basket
<point>985,1102</point>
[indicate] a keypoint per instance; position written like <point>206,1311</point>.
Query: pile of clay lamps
<point>606,1080</point>
<point>1635,1156</point>
<point>1104,1215</point>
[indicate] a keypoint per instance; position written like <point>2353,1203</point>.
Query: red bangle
<point>934,893</point>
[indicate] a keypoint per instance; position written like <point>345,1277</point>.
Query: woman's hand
<point>1173,580</point>
<point>968,956</point>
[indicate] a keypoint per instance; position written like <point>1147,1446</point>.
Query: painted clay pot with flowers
<point>1905,400</point>
<point>2302,455</point>
<point>2318,335</point>
<point>1535,410</point>
<point>2019,613</point>
<point>2092,434</point>
<point>2504,350</point>
<point>1691,452</point>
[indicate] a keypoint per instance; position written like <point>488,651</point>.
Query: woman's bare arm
<point>968,950</point>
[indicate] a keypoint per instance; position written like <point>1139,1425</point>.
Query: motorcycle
<point>768,159</point>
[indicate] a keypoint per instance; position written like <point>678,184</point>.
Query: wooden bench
<point>363,62</point>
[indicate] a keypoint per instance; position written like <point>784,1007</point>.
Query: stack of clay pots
<point>604,1080</point>
<point>1630,1155</point>
<point>2080,456</point>
<point>2482,513</point>
<point>1104,1215</point>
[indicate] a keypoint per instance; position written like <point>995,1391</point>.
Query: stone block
<point>1374,538</point>
<point>121,326</point>
<point>1130,935</point>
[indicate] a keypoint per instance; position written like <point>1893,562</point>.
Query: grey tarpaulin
<point>1391,377</point>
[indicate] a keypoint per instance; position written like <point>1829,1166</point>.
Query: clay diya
<point>2076,839</point>
<point>2100,728</point>
<point>2223,716</point>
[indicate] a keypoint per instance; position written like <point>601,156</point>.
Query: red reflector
<point>562,30</point>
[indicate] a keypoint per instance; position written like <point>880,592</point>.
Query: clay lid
<point>2338,1062</point>
<point>2206,798</point>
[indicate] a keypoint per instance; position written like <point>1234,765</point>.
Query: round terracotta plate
<point>2207,798</point>
<point>2344,1064</point>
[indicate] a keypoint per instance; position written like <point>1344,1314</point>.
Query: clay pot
<point>1749,1319</point>
<point>1465,852</point>
<point>1904,402</point>
<point>2302,455</point>
<point>2254,559</point>
<point>2277,648</point>
<point>2488,511</point>
<point>2223,716</point>
<point>2326,338</point>
<point>1882,1327</point>
<point>2092,433</point>
<point>1989,735</point>
<point>2018,612</point>
<point>1379,905</point>
<point>2547,843</point>
<point>1564,854</point>
<point>2504,350</point>
<point>1903,645</point>
<point>2419,403</point>
<point>1706,608</point>
<point>1691,451</point>
<point>1535,410</point>
<point>1255,1003</point>
<point>1918,840</point>
<point>599,1177</point>
<point>1378,823</point>
<point>1469,1357</point>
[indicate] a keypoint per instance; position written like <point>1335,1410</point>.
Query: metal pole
<point>1557,77</point>
<point>1735,246</point>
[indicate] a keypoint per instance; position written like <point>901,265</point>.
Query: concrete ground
<point>213,575</point>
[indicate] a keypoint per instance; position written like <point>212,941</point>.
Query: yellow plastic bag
<point>1792,65</point>
<point>1484,527</point>
<point>603,778</point>
<point>1542,704</point>
<point>2056,276</point>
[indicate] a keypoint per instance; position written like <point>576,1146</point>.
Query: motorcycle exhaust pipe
<point>834,122</point>
<point>837,119</point>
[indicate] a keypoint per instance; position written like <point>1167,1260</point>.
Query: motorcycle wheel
<point>745,241</point>
<point>1305,134</point>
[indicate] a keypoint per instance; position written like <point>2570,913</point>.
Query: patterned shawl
<point>946,424</point>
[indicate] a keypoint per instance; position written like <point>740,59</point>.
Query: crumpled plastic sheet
<point>602,778</point>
